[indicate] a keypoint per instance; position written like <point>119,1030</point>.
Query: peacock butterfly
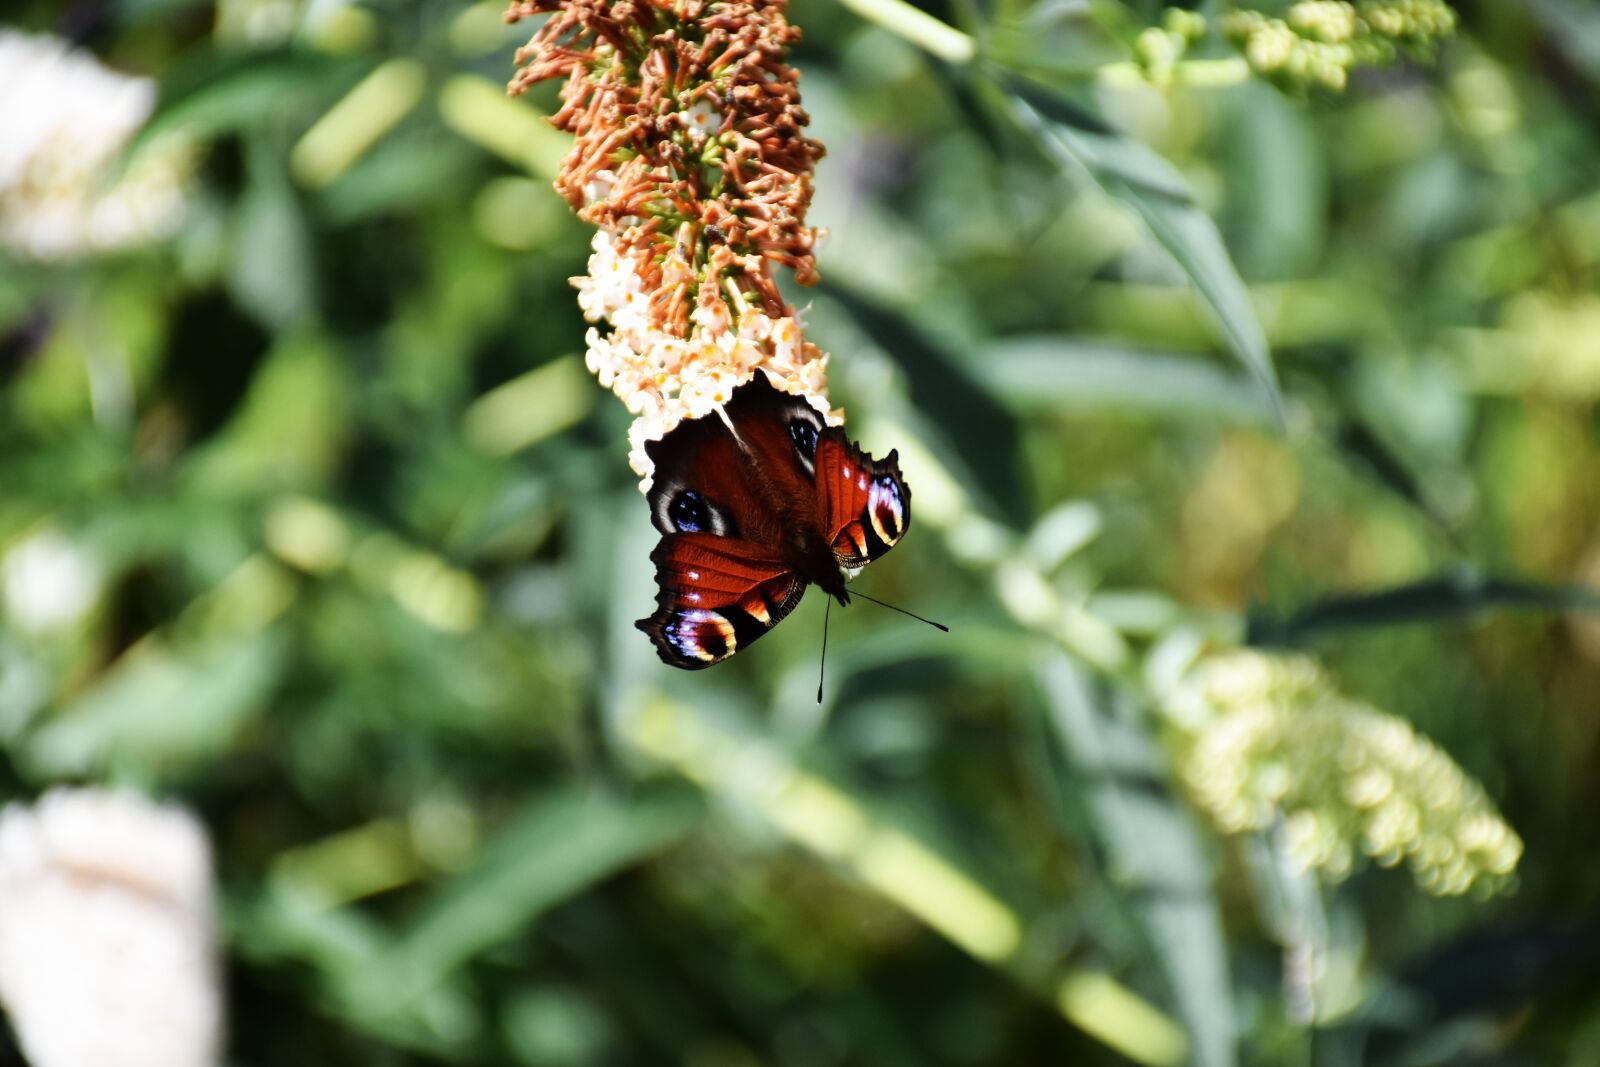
<point>753,508</point>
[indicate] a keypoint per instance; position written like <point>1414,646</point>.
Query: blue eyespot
<point>886,510</point>
<point>804,436</point>
<point>688,512</point>
<point>702,635</point>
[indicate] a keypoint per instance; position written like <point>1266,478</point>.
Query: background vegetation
<point>339,545</point>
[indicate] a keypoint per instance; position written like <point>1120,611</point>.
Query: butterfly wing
<point>863,504</point>
<point>707,480</point>
<point>751,507</point>
<point>716,595</point>
<point>724,576</point>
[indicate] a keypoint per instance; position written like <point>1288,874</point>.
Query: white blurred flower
<point>63,121</point>
<point>106,933</point>
<point>48,582</point>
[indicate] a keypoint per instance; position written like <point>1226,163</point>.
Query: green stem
<point>918,27</point>
<point>1205,73</point>
<point>954,46</point>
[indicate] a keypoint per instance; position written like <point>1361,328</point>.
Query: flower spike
<point>690,157</point>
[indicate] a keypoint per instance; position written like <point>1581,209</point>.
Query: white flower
<point>63,120</point>
<point>663,378</point>
<point>106,933</point>
<point>708,390</point>
<point>599,186</point>
<point>712,317</point>
<point>786,341</point>
<point>701,118</point>
<point>49,582</point>
<point>754,326</point>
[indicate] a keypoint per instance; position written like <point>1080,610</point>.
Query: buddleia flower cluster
<point>1277,747</point>
<point>66,119</point>
<point>1314,43</point>
<point>691,159</point>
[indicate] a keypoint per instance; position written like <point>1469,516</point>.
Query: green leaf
<point>1047,372</point>
<point>162,707</point>
<point>271,274</point>
<point>1274,171</point>
<point>1152,853</point>
<point>1079,142</point>
<point>1449,596</point>
<point>982,434</point>
<point>562,843</point>
<point>224,92</point>
<point>1574,28</point>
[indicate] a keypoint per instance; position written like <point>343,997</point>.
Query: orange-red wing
<point>713,478</point>
<point>863,504</point>
<point>715,596</point>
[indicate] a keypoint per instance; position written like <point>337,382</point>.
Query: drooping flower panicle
<point>690,157</point>
<point>1311,43</point>
<point>1276,745</point>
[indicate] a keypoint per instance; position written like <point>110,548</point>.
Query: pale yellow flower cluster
<point>1312,42</point>
<point>65,119</point>
<point>1318,42</point>
<point>663,378</point>
<point>1277,746</point>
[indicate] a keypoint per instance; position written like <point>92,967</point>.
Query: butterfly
<point>752,509</point>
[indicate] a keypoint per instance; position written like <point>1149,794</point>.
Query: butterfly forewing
<point>737,478</point>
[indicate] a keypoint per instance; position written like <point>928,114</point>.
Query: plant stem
<point>918,27</point>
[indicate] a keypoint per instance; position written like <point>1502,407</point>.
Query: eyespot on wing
<point>706,636</point>
<point>886,509</point>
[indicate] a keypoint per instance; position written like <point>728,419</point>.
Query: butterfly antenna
<point>903,611</point>
<point>822,671</point>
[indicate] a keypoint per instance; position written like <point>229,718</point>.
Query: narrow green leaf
<point>162,707</point>
<point>1158,194</point>
<point>272,274</point>
<point>1152,852</point>
<point>1574,28</point>
<point>918,27</point>
<point>561,844</point>
<point>221,92</point>
<point>982,432</point>
<point>1047,372</point>
<point>1434,599</point>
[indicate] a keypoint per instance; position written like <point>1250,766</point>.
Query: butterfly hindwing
<point>863,504</point>
<point>715,596</point>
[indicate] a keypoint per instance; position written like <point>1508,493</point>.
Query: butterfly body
<point>754,505</point>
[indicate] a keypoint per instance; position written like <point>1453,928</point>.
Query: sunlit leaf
<point>560,844</point>
<point>1157,193</point>
<point>1049,373</point>
<point>219,92</point>
<point>162,709</point>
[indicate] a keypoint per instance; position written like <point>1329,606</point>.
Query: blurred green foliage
<point>312,518</point>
